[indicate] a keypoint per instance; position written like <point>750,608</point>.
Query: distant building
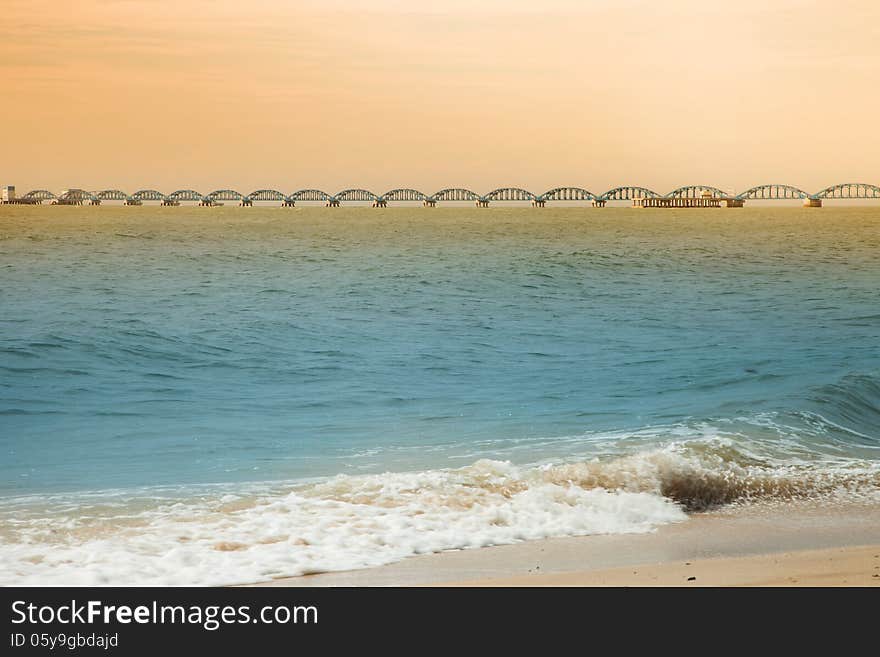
<point>8,193</point>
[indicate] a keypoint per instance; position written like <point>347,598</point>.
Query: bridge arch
<point>628,193</point>
<point>355,195</point>
<point>510,194</point>
<point>76,197</point>
<point>40,195</point>
<point>224,195</point>
<point>111,195</point>
<point>567,194</point>
<point>185,195</point>
<point>310,195</point>
<point>403,194</point>
<point>266,195</point>
<point>454,194</point>
<point>696,191</point>
<point>773,191</point>
<point>148,195</point>
<point>849,190</point>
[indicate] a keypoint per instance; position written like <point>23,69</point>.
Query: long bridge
<point>676,198</point>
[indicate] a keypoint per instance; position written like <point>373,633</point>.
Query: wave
<point>824,449</point>
<point>851,405</point>
<point>705,474</point>
<point>346,522</point>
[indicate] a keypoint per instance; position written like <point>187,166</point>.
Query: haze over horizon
<point>339,93</point>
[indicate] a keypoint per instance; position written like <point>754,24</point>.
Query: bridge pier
<point>133,201</point>
<point>539,203</point>
<point>246,203</point>
<point>812,202</point>
<point>482,203</point>
<point>95,201</point>
<point>170,201</point>
<point>288,203</point>
<point>429,203</point>
<point>380,203</point>
<point>332,203</point>
<point>598,203</point>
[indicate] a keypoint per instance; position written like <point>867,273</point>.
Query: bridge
<point>676,198</point>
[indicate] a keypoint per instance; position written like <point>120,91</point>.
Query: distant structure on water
<point>690,196</point>
<point>9,196</point>
<point>704,200</point>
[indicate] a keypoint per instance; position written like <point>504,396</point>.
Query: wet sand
<point>848,566</point>
<point>779,545</point>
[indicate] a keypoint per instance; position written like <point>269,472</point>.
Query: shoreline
<point>791,544</point>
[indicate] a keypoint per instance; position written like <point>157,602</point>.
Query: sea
<point>230,395</point>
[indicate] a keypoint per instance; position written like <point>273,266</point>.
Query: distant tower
<point>8,193</point>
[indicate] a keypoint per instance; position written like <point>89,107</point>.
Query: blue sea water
<point>178,356</point>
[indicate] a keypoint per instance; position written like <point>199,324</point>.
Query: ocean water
<point>220,395</point>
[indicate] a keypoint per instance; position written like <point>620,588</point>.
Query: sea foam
<point>348,522</point>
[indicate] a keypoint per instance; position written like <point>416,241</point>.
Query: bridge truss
<point>771,191</point>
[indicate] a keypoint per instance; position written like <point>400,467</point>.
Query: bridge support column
<point>288,203</point>
<point>812,203</point>
<point>332,203</point>
<point>598,203</point>
<point>95,201</point>
<point>246,202</point>
<point>483,203</point>
<point>539,203</point>
<point>380,203</point>
<point>429,203</point>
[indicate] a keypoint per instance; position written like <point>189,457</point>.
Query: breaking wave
<point>214,536</point>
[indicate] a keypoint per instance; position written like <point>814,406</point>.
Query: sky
<point>477,93</point>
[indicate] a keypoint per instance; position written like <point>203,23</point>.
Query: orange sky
<point>478,93</point>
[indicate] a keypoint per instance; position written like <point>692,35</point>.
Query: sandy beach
<point>779,545</point>
<point>848,566</point>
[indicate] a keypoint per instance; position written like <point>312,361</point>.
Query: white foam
<point>224,536</point>
<point>346,522</point>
